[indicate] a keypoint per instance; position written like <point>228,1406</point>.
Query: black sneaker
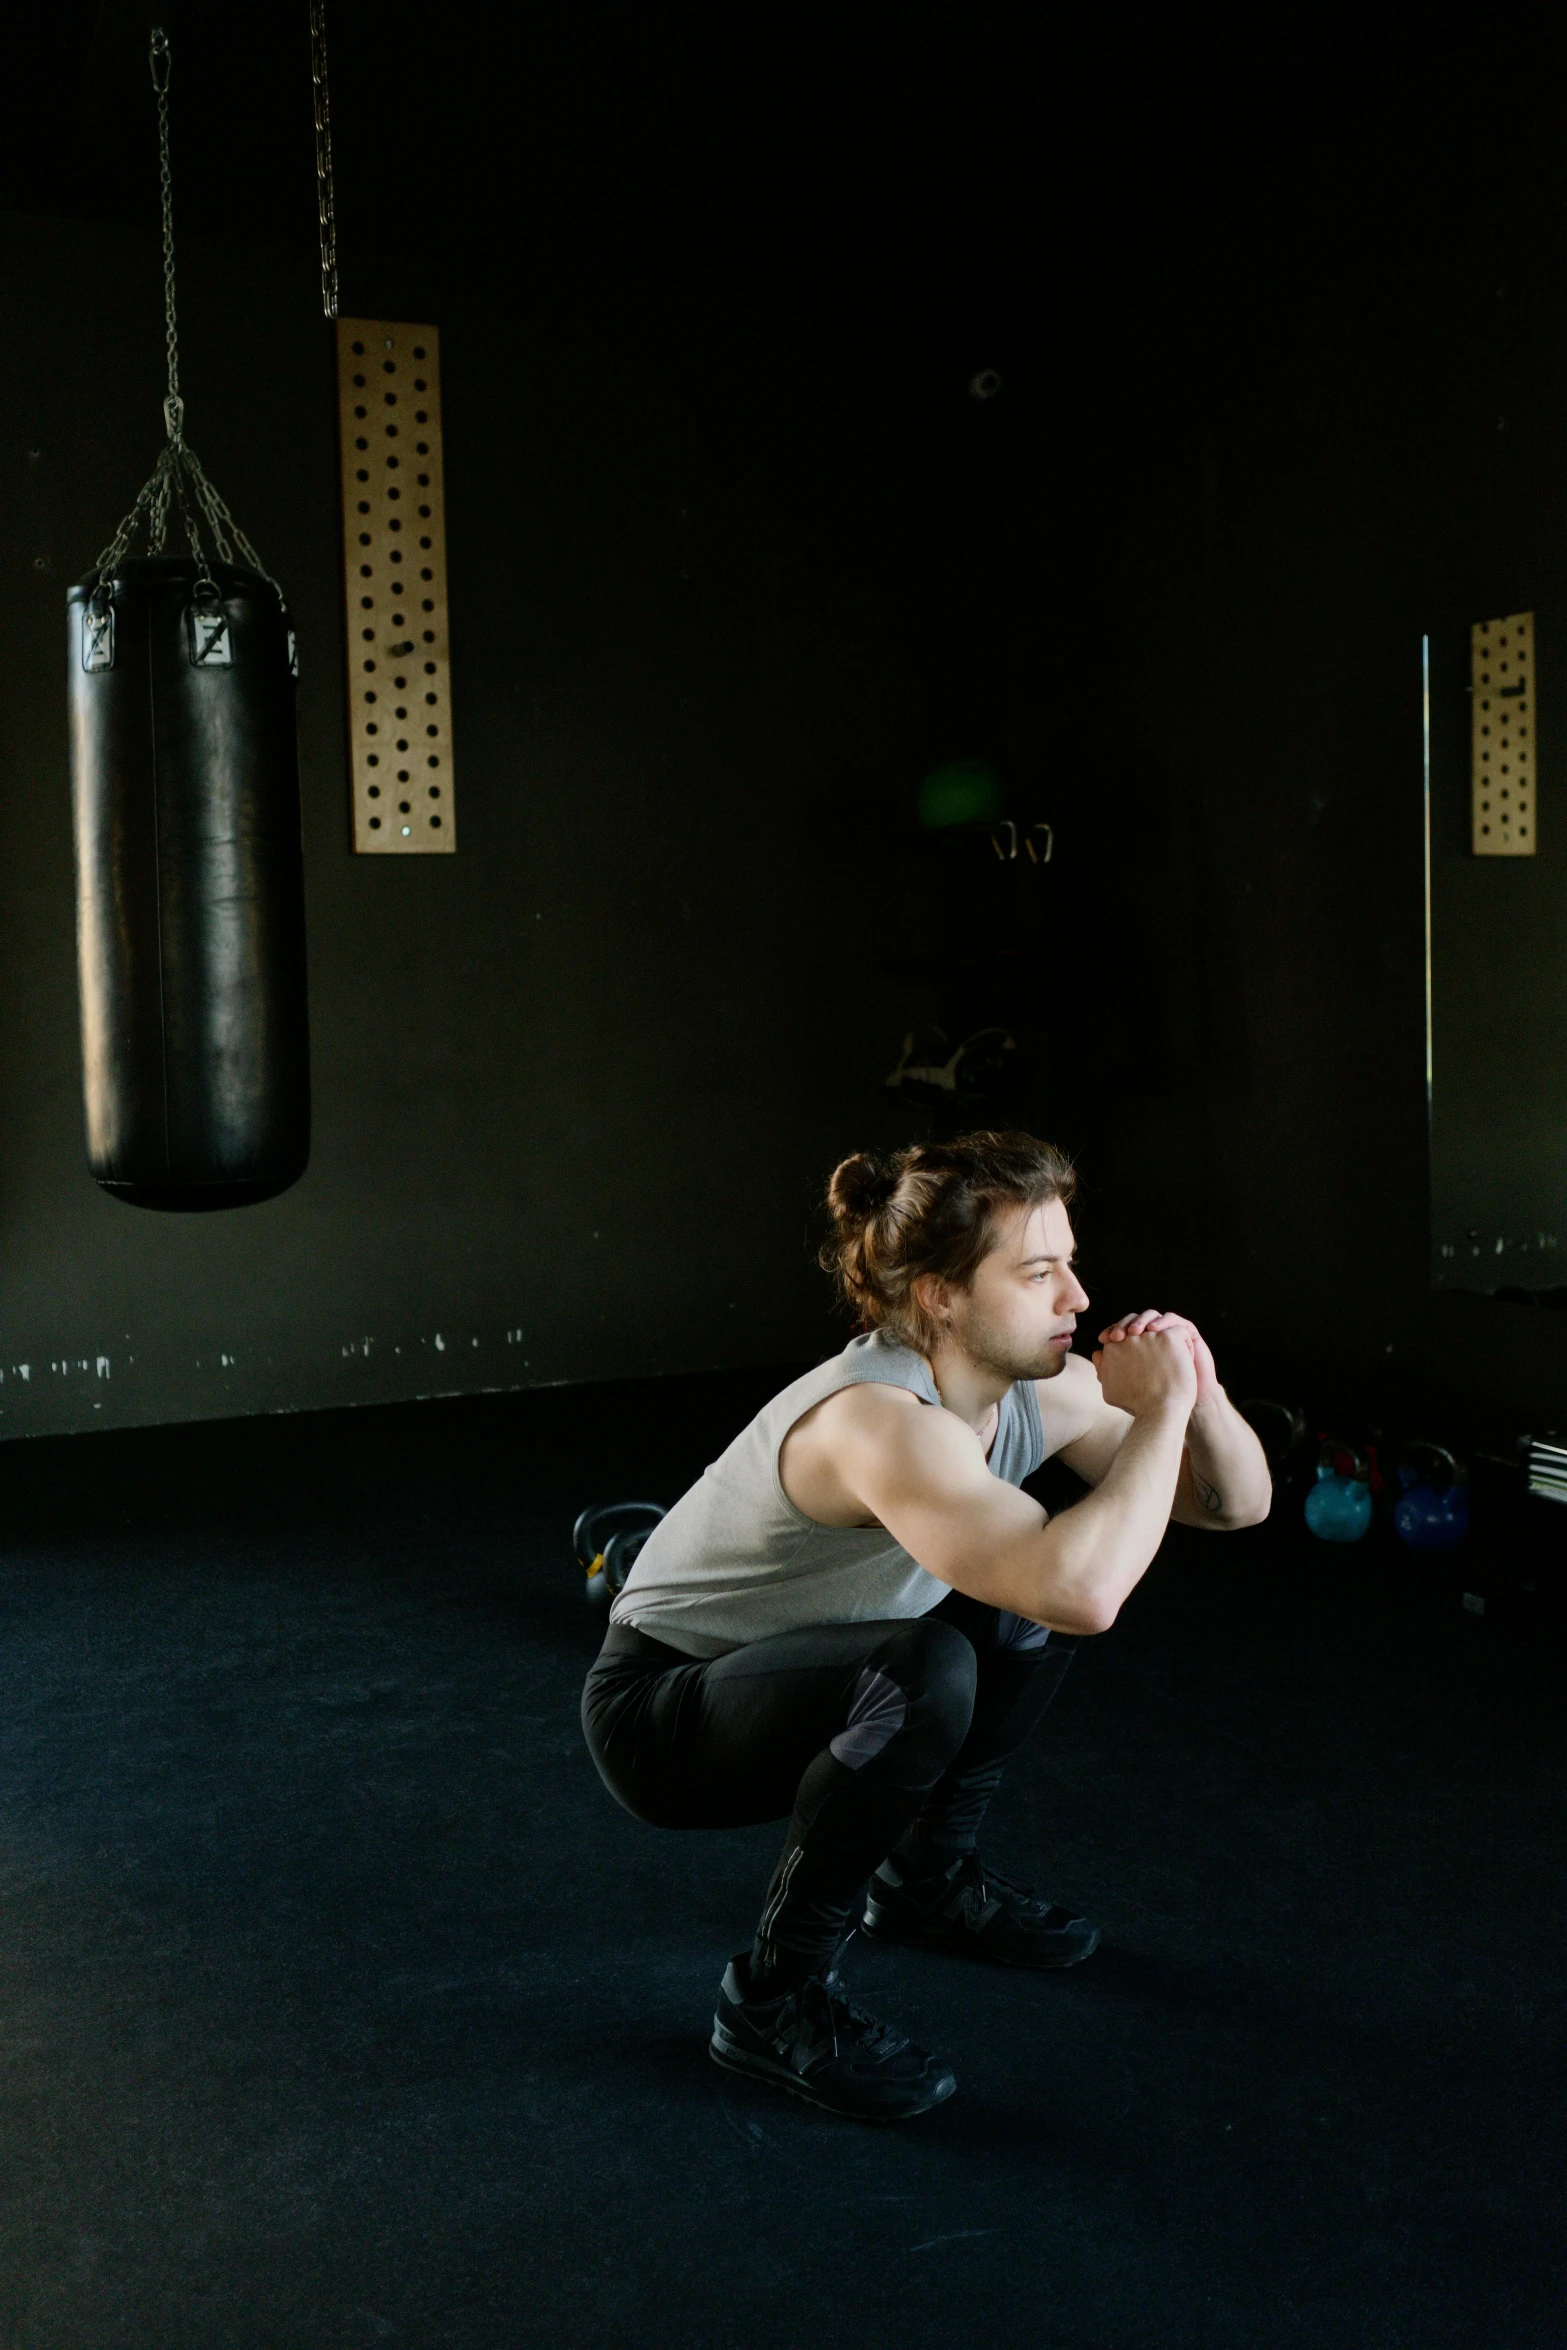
<point>818,2044</point>
<point>978,1912</point>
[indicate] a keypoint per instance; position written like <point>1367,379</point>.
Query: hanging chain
<point>158,59</point>
<point>178,479</point>
<point>326,204</point>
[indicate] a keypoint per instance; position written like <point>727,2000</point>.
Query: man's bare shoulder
<point>822,1457</point>
<point>869,1405</point>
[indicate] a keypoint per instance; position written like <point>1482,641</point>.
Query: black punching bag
<point>190,912</point>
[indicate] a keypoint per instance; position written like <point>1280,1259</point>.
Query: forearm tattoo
<point>1209,1495</point>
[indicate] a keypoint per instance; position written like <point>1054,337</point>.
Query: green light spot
<point>965,791</point>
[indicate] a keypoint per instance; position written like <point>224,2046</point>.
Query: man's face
<point>1017,1315</point>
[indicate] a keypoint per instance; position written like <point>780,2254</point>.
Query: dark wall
<point>1499,971</point>
<point>725,582</point>
<point>576,1088</point>
<point>1327,419</point>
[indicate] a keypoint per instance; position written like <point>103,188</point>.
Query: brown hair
<point>929,1210</point>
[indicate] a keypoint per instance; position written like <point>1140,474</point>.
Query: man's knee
<point>933,1670</point>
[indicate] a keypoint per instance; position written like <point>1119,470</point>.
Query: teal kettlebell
<point>1338,1507</point>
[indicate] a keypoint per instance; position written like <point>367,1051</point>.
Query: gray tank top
<point>735,1561</point>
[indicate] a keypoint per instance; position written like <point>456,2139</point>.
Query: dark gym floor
<point>340,2006</point>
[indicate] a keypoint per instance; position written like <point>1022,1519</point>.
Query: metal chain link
<point>326,202</point>
<point>159,60</point>
<point>178,478</point>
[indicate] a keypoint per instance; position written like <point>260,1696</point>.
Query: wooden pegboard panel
<point>1502,760</point>
<point>394,587</point>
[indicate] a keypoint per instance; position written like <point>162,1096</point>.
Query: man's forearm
<point>1228,1466</point>
<point>1100,1549</point>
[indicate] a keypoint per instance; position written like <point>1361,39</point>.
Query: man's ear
<point>933,1296</point>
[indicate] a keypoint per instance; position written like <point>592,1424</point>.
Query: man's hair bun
<point>859,1185</point>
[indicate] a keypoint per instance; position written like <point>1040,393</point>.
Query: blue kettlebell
<point>1432,1512</point>
<point>1338,1507</point>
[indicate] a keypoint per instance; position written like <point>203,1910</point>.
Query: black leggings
<point>867,1738</point>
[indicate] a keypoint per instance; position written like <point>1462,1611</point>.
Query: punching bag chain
<point>178,477</point>
<point>326,204</point>
<point>158,58</point>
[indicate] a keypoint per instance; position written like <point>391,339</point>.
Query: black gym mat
<point>339,2005</point>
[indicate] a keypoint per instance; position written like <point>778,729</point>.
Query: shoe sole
<point>754,2069</point>
<point>957,1949</point>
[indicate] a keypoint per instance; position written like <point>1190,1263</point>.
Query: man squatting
<point>856,1617</point>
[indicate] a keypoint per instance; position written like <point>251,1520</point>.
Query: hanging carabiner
<point>158,59</point>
